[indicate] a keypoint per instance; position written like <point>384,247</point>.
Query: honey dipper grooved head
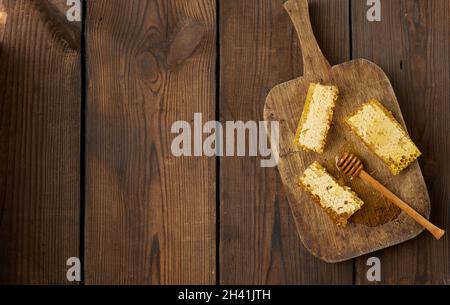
<point>350,165</point>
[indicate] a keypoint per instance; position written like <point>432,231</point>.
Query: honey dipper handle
<point>437,232</point>
<point>314,63</point>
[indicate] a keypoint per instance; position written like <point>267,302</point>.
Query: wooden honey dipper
<point>350,165</point>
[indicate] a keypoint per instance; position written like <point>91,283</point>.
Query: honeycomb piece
<point>383,135</point>
<point>339,202</point>
<point>316,117</point>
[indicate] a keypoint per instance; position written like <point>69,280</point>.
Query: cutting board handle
<point>314,63</point>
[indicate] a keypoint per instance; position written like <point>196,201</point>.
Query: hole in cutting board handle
<point>314,63</point>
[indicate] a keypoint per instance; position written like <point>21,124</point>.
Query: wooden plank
<point>150,217</point>
<point>40,102</point>
<point>411,43</point>
<point>259,243</point>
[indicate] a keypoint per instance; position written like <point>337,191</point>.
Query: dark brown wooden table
<point>86,109</point>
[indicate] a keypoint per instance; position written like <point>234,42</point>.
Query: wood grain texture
<point>411,43</point>
<point>40,102</point>
<point>259,49</point>
<point>358,81</point>
<point>150,217</point>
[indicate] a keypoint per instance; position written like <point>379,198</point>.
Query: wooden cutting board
<point>379,224</point>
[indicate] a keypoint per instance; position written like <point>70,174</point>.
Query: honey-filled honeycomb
<point>383,135</point>
<point>316,118</point>
<point>339,202</point>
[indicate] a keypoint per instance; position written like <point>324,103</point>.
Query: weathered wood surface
<point>40,103</point>
<point>411,43</point>
<point>358,81</point>
<point>259,49</point>
<point>150,217</point>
